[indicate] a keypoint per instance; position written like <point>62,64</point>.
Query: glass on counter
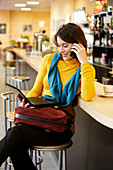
<point>112,65</point>
<point>28,49</point>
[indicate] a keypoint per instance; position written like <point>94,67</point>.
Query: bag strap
<point>39,120</point>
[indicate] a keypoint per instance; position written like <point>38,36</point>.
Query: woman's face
<point>64,48</point>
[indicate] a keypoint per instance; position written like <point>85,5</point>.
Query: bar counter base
<point>92,144</point>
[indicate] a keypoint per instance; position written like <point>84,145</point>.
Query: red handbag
<point>46,117</point>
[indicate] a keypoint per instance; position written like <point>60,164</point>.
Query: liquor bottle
<point>111,31</point>
<point>105,6</point>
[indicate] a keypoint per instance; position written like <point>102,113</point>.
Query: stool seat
<point>54,148</point>
<point>10,62</point>
<point>20,78</point>
<point>62,162</point>
<point>10,115</point>
<point>11,67</point>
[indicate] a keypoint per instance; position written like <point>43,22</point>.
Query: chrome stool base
<point>62,162</point>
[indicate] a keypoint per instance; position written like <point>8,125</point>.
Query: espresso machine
<point>38,41</point>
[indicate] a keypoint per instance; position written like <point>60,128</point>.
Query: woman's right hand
<point>80,52</point>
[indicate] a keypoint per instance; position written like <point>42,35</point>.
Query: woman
<point>58,79</point>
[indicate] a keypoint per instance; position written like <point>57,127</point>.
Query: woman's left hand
<point>22,101</point>
<point>80,52</point>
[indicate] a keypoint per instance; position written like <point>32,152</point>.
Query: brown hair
<point>71,33</point>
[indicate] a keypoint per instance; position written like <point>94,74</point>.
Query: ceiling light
<point>19,5</point>
<point>32,2</point>
<point>25,9</point>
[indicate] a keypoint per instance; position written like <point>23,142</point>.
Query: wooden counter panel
<point>100,108</point>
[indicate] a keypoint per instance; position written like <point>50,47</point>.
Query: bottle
<point>112,37</point>
<point>105,6</point>
<point>111,31</point>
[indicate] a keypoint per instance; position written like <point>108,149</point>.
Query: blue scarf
<point>70,89</point>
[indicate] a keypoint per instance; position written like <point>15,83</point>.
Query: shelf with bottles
<point>103,55</point>
<point>103,29</point>
<point>98,62</point>
<point>89,37</point>
<point>103,13</point>
<point>103,39</point>
<point>104,47</point>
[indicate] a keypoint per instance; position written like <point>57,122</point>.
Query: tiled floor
<point>48,161</point>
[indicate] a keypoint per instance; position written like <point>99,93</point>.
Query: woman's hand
<point>80,52</point>
<point>22,101</point>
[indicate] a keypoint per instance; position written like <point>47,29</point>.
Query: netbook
<point>34,101</point>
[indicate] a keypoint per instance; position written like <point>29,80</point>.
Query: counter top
<point>100,108</point>
<point>33,60</point>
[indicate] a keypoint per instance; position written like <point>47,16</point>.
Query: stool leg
<point>17,68</point>
<point>64,160</point>
<point>14,82</point>
<point>23,85</point>
<point>39,166</point>
<point>5,165</point>
<point>10,164</point>
<point>6,73</point>
<point>19,85</point>
<point>12,102</point>
<point>27,84</point>
<point>30,153</point>
<point>35,157</point>
<point>60,161</point>
<point>16,101</point>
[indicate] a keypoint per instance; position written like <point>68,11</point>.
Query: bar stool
<point>62,162</point>
<point>13,75</point>
<point>8,116</point>
<point>9,70</point>
<point>19,80</point>
<point>9,104</point>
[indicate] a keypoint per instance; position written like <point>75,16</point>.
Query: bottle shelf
<point>102,65</point>
<point>98,46</point>
<point>103,13</point>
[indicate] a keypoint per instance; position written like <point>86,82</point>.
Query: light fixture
<point>25,9</point>
<point>41,24</point>
<point>19,5</point>
<point>32,2</point>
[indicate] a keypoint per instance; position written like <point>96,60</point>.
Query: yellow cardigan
<point>66,70</point>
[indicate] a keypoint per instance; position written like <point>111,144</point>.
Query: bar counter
<point>100,108</point>
<point>32,60</point>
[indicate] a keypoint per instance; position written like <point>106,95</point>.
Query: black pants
<point>21,137</point>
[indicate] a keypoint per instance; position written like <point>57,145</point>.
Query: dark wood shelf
<point>103,66</point>
<point>97,46</point>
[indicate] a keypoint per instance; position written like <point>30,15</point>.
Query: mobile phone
<point>73,54</point>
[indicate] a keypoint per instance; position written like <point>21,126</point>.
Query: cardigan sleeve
<point>87,81</point>
<point>38,85</point>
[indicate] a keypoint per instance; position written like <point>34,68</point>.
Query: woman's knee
<point>16,133</point>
